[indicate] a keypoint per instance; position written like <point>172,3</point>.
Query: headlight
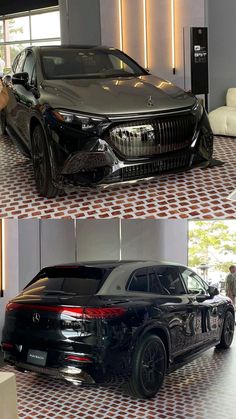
<point>198,108</point>
<point>84,121</point>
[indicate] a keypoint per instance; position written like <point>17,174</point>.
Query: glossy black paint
<point>187,324</point>
<point>79,157</point>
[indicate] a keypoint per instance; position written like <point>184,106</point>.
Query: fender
<point>38,118</point>
<point>153,326</point>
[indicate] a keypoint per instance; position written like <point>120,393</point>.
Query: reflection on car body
<point>80,321</point>
<point>92,115</point>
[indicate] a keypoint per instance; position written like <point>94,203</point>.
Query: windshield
<point>74,63</point>
<point>81,280</point>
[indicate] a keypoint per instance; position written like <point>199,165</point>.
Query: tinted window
<point>66,63</point>
<point>170,280</point>
<point>29,66</point>
<point>82,280</point>
<point>139,281</point>
<point>154,283</point>
<point>20,61</point>
<point>193,282</point>
<point>15,64</point>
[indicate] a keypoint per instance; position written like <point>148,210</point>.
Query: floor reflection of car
<point>78,322</point>
<point>92,115</point>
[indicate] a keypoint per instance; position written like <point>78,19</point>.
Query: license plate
<point>37,357</point>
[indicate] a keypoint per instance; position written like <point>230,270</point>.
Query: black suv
<point>92,115</point>
<point>80,321</point>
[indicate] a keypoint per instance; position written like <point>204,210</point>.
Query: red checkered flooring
<point>199,193</point>
<point>203,389</point>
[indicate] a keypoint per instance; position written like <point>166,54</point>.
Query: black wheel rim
<point>152,367</point>
<point>39,161</point>
<point>229,329</point>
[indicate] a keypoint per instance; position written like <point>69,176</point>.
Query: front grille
<point>153,136</point>
<point>147,169</point>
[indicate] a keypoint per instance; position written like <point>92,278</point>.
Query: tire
<point>227,331</point>
<point>148,367</point>
<point>41,164</point>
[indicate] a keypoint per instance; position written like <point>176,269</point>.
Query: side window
<point>20,61</point>
<point>170,280</point>
<point>15,62</point>
<point>29,67</point>
<point>193,282</point>
<point>154,283</point>
<point>139,281</point>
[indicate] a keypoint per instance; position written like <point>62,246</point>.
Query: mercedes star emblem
<point>150,101</point>
<point>36,317</point>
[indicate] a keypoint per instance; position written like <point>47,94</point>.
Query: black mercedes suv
<point>91,115</point>
<point>80,321</point>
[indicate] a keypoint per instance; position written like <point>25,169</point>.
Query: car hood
<point>115,96</point>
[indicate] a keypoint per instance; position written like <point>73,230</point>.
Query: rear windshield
<point>73,63</point>
<point>82,281</point>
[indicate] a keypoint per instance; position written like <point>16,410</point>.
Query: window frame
<point>180,278</point>
<point>131,277</point>
<point>205,286</point>
<point>154,268</point>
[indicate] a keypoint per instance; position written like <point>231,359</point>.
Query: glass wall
<point>36,27</point>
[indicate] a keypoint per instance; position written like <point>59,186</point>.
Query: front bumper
<point>93,161</point>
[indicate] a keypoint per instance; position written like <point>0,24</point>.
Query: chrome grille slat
<point>150,137</point>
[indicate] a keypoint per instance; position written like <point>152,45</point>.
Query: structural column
<point>80,22</point>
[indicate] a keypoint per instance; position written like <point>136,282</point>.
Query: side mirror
<point>20,78</point>
<point>7,80</point>
<point>213,291</point>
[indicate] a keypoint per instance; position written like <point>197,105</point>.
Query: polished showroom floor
<point>203,389</point>
<point>199,193</point>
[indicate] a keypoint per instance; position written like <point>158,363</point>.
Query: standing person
<point>230,283</point>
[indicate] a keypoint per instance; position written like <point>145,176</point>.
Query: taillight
<point>78,312</point>
<point>103,313</point>
<point>7,346</point>
<point>78,358</point>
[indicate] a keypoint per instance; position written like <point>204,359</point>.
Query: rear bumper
<point>70,373</point>
<point>57,365</point>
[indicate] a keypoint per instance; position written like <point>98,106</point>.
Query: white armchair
<point>223,119</point>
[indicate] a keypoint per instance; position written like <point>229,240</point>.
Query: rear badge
<point>36,317</point>
<point>150,102</point>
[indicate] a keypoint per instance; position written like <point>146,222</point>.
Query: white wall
<point>188,13</point>
<point>29,250</point>
<point>57,242</point>
<point>11,266</point>
<point>80,22</point>
<point>222,44</point>
<point>98,240</point>
<point>155,239</point>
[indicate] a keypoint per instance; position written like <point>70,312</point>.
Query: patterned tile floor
<point>202,389</point>
<point>194,194</point>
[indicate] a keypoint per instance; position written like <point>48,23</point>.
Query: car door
<point>28,95</point>
<point>207,307</point>
<point>12,107</point>
<point>22,96</point>
<point>178,313</point>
